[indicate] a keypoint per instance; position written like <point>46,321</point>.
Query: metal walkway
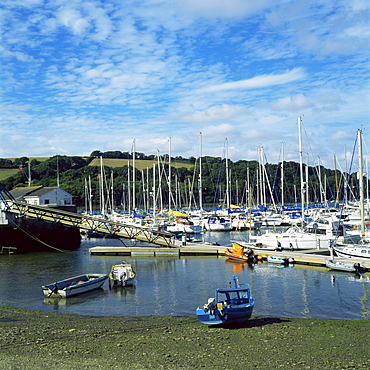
<point>83,222</point>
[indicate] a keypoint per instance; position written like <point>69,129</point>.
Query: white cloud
<point>296,103</point>
<point>216,133</point>
<point>225,9</point>
<point>214,113</point>
<point>261,81</point>
<point>341,135</point>
<point>72,19</point>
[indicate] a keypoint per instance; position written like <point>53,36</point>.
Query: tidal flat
<point>31,339</point>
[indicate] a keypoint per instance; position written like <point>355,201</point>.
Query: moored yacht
<point>316,234</point>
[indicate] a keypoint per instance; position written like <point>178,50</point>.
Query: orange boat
<point>237,253</point>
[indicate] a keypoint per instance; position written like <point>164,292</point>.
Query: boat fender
<point>220,308</point>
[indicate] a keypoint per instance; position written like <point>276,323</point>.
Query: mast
<point>128,188</point>
<point>263,177</point>
<point>102,200</point>
<point>143,188</point>
<point>147,190</point>
<point>336,181</point>
<point>282,174</point>
<point>301,165</point>
<point>361,184</point>
<point>154,195</point>
<point>29,173</point>
<point>90,197</point>
<point>112,191</point>
<point>133,175</point>
<point>227,175</point>
<point>86,196</point>
<point>200,174</point>
<point>169,174</point>
<point>259,176</point>
<point>160,172</point>
<point>320,180</point>
<point>307,200</point>
<point>57,171</point>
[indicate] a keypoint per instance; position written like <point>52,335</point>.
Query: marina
<point>175,285</point>
<point>311,257</point>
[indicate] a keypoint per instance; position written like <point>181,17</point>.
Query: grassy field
<point>7,172</point>
<point>140,164</point>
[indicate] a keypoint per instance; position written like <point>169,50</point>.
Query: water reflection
<point>176,286</point>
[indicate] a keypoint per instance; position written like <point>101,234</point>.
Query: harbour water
<point>176,286</point>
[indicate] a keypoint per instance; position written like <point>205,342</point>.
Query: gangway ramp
<point>89,223</point>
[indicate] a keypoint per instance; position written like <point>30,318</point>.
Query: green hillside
<point>140,164</point>
<point>7,172</point>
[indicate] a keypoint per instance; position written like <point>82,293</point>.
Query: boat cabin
<point>230,296</point>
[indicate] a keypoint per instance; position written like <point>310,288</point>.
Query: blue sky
<point>79,76</point>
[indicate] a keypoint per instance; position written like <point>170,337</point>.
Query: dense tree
<point>74,173</point>
<point>21,162</point>
<point>6,163</point>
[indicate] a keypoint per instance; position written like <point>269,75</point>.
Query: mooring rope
<point>37,239</point>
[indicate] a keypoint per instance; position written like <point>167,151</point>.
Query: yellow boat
<point>121,275</point>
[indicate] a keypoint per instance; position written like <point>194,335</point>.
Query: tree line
<point>248,183</point>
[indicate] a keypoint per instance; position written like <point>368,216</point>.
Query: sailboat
<point>315,234</point>
<point>357,250</point>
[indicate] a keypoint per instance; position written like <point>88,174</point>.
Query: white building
<point>43,196</point>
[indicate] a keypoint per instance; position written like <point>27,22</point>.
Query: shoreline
<point>31,339</point>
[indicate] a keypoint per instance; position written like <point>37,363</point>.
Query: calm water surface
<point>176,286</point>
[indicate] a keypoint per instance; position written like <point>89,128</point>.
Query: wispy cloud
<point>261,81</point>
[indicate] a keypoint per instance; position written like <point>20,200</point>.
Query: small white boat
<point>121,275</point>
<point>334,264</point>
<point>280,260</point>
<point>74,285</point>
<point>344,266</point>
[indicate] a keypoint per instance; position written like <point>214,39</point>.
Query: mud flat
<point>42,340</point>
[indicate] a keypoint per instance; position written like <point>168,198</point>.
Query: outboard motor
<point>357,267</point>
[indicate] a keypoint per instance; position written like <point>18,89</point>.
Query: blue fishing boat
<point>229,306</point>
<point>75,285</point>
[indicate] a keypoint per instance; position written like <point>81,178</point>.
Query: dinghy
<point>237,253</point>
<point>334,264</point>
<point>345,266</point>
<point>280,260</point>
<point>74,285</point>
<point>121,275</point>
